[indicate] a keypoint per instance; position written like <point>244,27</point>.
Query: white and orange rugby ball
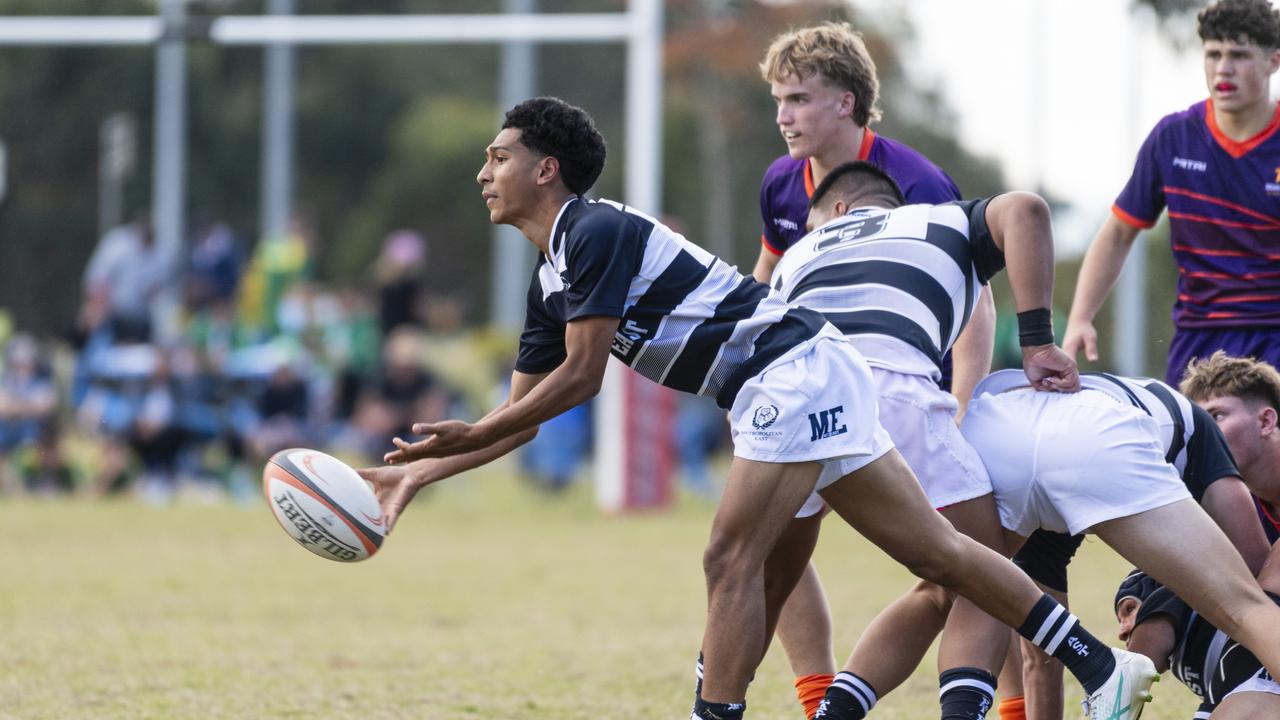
<point>324,504</point>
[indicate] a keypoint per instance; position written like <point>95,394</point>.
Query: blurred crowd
<point>186,371</point>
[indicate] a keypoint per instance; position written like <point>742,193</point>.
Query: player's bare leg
<point>1180,546</point>
<point>804,628</point>
<point>804,625</point>
<point>885,503</point>
<point>760,500</point>
<point>1247,706</point>
<point>974,643</point>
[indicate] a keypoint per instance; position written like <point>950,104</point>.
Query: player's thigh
<point>1253,705</point>
<point>1179,545</point>
<point>885,504</point>
<point>759,501</point>
<point>979,519</point>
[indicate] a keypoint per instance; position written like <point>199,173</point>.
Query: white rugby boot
<point>1126,692</point>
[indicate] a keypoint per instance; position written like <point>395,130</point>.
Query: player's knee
<point>942,563</point>
<point>723,560</point>
<point>940,598</point>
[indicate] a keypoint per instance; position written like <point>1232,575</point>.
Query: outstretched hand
<point>1050,369</point>
<point>446,438</point>
<point>394,486</point>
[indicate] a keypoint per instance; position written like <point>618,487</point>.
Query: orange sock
<point>1014,708</point>
<point>810,689</point>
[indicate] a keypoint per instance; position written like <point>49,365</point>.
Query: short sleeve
<point>603,253</point>
<point>988,258</point>
<point>1142,199</point>
<point>542,340</point>
<point>1208,457</point>
<point>1162,602</point>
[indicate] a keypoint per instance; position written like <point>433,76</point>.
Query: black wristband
<point>1035,327</point>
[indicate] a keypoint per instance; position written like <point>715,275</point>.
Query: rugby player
<point>611,280</point>
<point>1216,167</point>
<point>1227,678</point>
<point>1243,396</point>
<point>1123,459</point>
<point>825,86</point>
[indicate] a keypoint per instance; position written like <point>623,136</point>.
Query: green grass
<point>490,601</point>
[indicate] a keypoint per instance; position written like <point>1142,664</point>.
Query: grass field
<point>490,601</point>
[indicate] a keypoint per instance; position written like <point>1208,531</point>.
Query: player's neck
<point>1245,123</point>
<point>842,149</point>
<point>539,225</point>
<point>1264,477</point>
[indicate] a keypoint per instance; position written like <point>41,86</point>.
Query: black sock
<point>697,675</point>
<point>703,710</point>
<point>848,698</point>
<point>1059,633</point>
<point>967,693</point>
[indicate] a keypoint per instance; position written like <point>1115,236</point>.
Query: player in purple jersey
<point>825,86</point>
<point>1216,167</point>
<point>1243,396</point>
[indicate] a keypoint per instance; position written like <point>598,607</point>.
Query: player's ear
<point>839,209</point>
<point>548,170</point>
<point>847,103</point>
<point>1274,61</point>
<point>1267,418</point>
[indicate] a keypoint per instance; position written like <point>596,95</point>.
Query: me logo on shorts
<point>826,424</point>
<point>764,416</point>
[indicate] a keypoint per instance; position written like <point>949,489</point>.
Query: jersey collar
<point>1238,149</point>
<point>864,152</point>
<point>557,237</point>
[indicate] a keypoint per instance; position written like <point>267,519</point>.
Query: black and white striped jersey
<point>1204,658</point>
<point>687,320</point>
<point>901,283</point>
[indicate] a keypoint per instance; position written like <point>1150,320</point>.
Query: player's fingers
<point>1091,348</point>
<point>426,428</point>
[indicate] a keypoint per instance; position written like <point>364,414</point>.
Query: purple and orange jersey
<point>1223,199</point>
<point>788,185</point>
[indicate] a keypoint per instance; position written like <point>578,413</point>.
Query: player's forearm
<point>1102,264</point>
<point>433,470</point>
<point>764,265</point>
<point>568,386</point>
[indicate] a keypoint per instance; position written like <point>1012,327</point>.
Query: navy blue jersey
<point>687,320</point>
<point>1204,658</point>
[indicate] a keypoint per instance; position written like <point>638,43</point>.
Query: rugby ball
<point>323,504</point>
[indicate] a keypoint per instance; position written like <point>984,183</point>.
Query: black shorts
<point>1045,557</point>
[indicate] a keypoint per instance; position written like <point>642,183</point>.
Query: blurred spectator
<point>213,274</point>
<point>283,414</point>
<point>278,263</point>
<point>28,402</point>
<point>44,469</point>
<point>399,275</point>
<point>126,274</point>
<point>402,393</point>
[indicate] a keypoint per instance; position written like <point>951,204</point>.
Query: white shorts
<point>816,403</point>
<point>1260,682</point>
<point>1068,461</point>
<point>920,418</point>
